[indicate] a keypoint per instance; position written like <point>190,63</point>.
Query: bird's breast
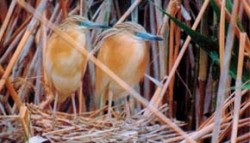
<point>126,56</point>
<point>64,64</point>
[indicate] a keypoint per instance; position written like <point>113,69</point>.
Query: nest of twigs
<point>89,127</point>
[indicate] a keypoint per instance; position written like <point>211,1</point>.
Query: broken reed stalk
<point>224,76</point>
<point>91,57</point>
<point>24,117</point>
<point>237,98</point>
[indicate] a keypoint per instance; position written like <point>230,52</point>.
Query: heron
<point>123,49</point>
<point>63,64</point>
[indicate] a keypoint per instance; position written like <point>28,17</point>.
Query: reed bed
<point>196,87</point>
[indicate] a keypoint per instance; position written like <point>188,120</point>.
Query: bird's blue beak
<point>148,36</point>
<point>90,24</point>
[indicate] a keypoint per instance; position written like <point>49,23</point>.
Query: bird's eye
<point>78,22</point>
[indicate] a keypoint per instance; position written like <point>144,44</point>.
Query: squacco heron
<point>123,49</point>
<point>64,65</point>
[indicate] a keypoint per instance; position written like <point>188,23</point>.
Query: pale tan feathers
<point>125,54</point>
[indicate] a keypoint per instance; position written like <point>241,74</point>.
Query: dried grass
<point>88,127</point>
<point>22,80</point>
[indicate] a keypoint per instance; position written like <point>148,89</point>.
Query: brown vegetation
<point>187,95</point>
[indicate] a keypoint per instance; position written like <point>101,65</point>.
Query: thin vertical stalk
<point>81,7</point>
<point>203,66</point>
<point>134,14</point>
<point>224,73</point>
<point>7,18</point>
<point>154,44</point>
<point>132,101</point>
<point>146,85</point>
<point>163,46</point>
<point>173,9</point>
<point>237,98</point>
<point>43,35</point>
<point>170,65</point>
<point>222,33</point>
<point>158,14</point>
<point>38,74</point>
